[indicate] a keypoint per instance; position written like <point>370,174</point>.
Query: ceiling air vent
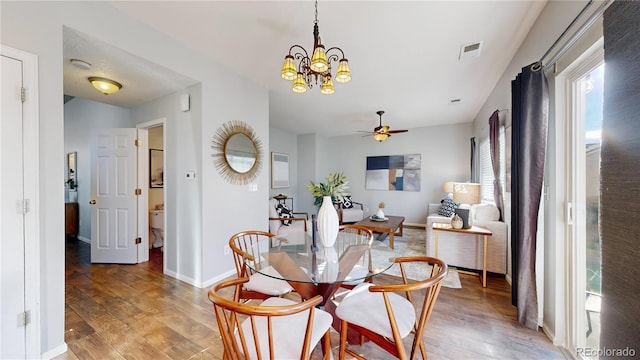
<point>471,50</point>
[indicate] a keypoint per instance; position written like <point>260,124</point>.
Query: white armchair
<point>295,224</point>
<point>351,214</point>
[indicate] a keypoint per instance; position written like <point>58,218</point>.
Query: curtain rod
<point>567,29</point>
<point>583,29</point>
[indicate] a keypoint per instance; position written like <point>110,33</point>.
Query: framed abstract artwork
<point>393,173</point>
<point>279,170</point>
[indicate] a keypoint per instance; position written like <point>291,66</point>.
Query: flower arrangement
<point>336,187</point>
<point>381,205</point>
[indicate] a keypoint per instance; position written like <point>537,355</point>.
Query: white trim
<point>31,169</point>
<point>167,245</point>
<point>84,239</point>
<point>210,282</point>
<point>59,350</point>
<point>572,262</point>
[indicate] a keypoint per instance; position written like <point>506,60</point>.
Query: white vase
<point>327,222</point>
<point>380,214</point>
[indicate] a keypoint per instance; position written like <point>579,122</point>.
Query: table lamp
<point>466,194</point>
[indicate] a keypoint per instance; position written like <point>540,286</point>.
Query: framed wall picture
<point>156,168</point>
<point>279,170</point>
<point>72,171</point>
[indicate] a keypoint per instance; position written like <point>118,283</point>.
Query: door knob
<point>92,202</point>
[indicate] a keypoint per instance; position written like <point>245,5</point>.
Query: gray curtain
<point>530,104</point>
<point>620,185</point>
<point>494,145</point>
<point>474,173</point>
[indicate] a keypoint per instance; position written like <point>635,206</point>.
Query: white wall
<point>80,116</point>
<point>553,20</point>
<point>36,27</point>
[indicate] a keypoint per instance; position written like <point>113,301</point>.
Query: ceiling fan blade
<point>397,131</point>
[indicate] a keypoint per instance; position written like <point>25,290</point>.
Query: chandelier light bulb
<point>343,74</point>
<point>288,68</point>
<point>327,87</point>
<point>319,60</point>
<point>299,85</point>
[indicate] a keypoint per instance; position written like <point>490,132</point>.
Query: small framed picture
<point>279,170</point>
<point>156,168</point>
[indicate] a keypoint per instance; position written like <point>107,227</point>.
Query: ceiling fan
<point>381,133</point>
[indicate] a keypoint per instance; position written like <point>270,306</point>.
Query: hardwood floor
<point>135,312</point>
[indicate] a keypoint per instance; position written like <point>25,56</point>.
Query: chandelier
<point>317,69</point>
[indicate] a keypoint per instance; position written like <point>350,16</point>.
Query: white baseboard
<point>508,278</point>
<point>84,239</point>
<point>218,278</point>
<point>55,352</point>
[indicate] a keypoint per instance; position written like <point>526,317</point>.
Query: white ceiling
<point>404,56</point>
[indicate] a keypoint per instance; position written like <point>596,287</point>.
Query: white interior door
<point>12,209</point>
<point>114,204</point>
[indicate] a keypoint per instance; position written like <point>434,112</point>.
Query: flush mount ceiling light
<point>316,69</point>
<point>104,85</point>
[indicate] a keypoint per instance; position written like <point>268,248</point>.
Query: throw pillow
<point>448,207</point>
<point>284,212</point>
<point>346,202</point>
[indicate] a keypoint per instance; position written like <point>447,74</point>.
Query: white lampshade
<point>466,193</point>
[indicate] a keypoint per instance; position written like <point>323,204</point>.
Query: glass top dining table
<point>313,269</point>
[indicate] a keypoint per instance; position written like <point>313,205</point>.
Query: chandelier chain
<point>316,21</point>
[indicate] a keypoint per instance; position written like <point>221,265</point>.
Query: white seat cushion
<point>366,309</point>
<point>268,285</point>
<point>287,331</point>
<point>358,272</point>
<point>352,215</point>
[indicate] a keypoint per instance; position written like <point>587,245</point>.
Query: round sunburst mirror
<point>237,152</point>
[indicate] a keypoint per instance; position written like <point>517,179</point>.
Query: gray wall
<point>445,157</point>
<point>284,142</point>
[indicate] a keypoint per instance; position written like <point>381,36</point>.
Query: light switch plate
<point>191,175</point>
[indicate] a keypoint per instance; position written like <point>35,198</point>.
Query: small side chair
<point>258,286</point>
<point>388,317</point>
<point>278,328</point>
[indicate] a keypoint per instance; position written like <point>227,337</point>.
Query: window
<point>486,169</point>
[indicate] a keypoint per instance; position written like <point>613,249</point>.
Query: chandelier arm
<point>298,53</point>
<point>337,49</point>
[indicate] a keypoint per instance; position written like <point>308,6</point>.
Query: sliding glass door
<point>585,97</point>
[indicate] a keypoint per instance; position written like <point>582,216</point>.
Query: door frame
<point>143,173</point>
<point>575,266</point>
<point>31,170</point>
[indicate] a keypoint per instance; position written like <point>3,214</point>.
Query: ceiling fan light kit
<point>317,69</point>
<point>104,85</point>
<point>381,133</point>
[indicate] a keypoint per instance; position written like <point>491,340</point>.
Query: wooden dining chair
<point>389,317</point>
<point>349,235</point>
<point>277,328</point>
<point>245,248</point>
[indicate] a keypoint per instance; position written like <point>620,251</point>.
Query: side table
<point>474,230</point>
